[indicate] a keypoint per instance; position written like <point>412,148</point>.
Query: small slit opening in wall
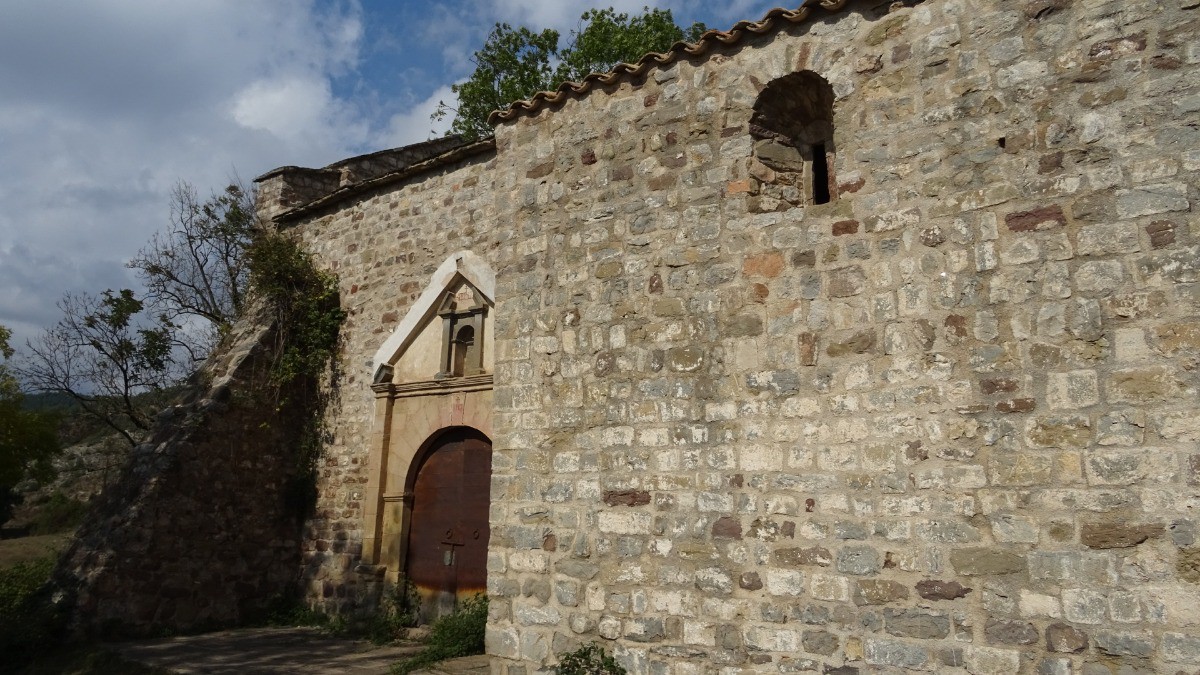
<point>1001,142</point>
<point>820,174</point>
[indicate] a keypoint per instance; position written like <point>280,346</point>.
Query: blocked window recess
<point>792,126</point>
<point>463,312</point>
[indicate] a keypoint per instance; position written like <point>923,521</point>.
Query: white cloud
<point>104,106</point>
<point>414,125</point>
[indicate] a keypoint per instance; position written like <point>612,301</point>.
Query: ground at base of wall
<point>480,664</point>
<point>267,650</point>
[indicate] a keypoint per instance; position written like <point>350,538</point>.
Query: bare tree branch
<point>196,269</point>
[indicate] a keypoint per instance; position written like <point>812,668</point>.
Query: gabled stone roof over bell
<point>713,39</point>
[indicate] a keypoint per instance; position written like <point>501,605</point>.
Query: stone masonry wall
<point>946,421</point>
<point>384,246</point>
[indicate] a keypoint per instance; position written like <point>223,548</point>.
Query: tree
<point>111,358</point>
<point>607,38</point>
<point>514,64</point>
<point>117,354</point>
<point>196,269</point>
<point>28,441</point>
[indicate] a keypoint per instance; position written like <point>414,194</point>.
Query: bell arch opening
<point>792,125</point>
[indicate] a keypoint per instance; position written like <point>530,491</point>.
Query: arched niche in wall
<point>792,127</point>
<point>433,373</point>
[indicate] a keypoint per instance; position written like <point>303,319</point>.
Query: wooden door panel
<point>448,534</point>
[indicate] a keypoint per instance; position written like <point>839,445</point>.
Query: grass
<point>28,549</point>
<point>56,514</point>
<point>589,659</point>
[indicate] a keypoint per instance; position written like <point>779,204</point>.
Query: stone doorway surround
<point>413,405</point>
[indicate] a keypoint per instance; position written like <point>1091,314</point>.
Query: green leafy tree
<point>516,63</point>
<point>513,64</point>
<point>606,38</point>
<point>28,441</point>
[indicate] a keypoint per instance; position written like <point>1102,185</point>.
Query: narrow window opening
<point>820,174</point>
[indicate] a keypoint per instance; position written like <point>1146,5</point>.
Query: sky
<point>106,105</point>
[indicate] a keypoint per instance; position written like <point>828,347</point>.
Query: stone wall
<point>947,420</point>
<point>384,245</point>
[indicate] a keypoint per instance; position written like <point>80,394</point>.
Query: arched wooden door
<point>448,531</point>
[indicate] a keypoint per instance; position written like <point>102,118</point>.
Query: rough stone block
<point>879,591</point>
<point>1003,632</point>
<point>785,582</point>
<point>1084,606</point>
<point>881,652</point>
<point>1181,648</point>
<point>1119,643</point>
<point>1144,385</point>
<point>1116,534</point>
<point>1151,199</point>
<point>1061,637</point>
<point>986,562</point>
<point>1033,604</point>
<point>933,589</point>
<point>989,660</point>
<point>1099,276</point>
<point>916,624</point>
<point>1108,239</point>
<point>794,557</point>
<point>1073,389</point>
<point>859,560</point>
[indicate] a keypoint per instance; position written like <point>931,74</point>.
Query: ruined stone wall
<point>947,420</point>
<point>202,529</point>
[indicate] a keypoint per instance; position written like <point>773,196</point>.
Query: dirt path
<point>266,650</point>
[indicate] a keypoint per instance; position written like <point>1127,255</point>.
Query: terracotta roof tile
<point>774,19</point>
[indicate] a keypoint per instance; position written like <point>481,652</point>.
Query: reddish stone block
<point>767,265</point>
<point>1036,219</point>
<point>727,528</point>
<point>1162,233</point>
<point>626,497</point>
<point>1017,405</point>
<point>845,227</point>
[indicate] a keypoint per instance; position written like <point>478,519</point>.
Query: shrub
<point>28,623</point>
<point>589,659</point>
<point>59,513</point>
<point>397,613</point>
<point>451,636</point>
